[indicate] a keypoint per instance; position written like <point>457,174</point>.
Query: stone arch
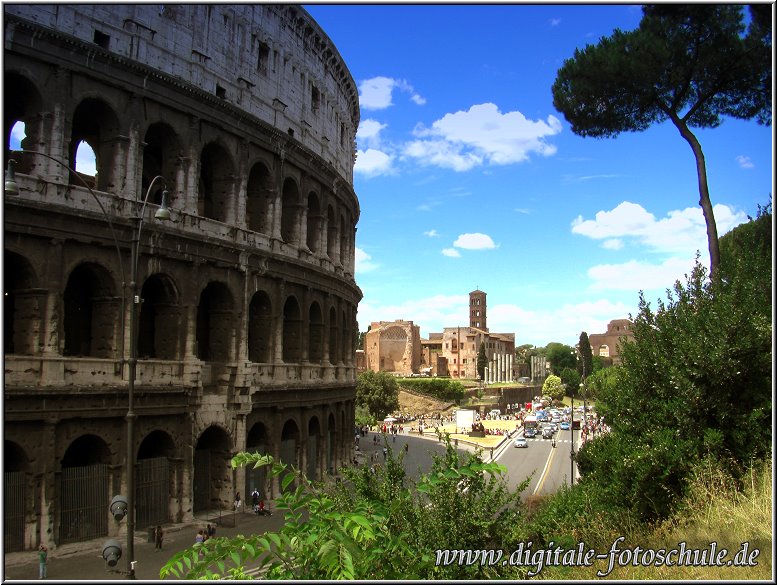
<point>333,337</point>
<point>21,307</point>
<point>331,235</point>
<point>22,102</point>
<point>257,441</point>
<point>290,438</point>
<point>315,333</point>
<point>14,457</point>
<point>158,322</point>
<point>260,332</point>
<point>96,123</point>
<point>161,151</point>
<point>313,446</point>
<point>83,489</point>
<point>217,183</point>
<point>292,331</point>
<point>154,479</point>
<point>314,223</point>
<point>260,195</point>
<point>331,442</point>
<point>290,212</point>
<point>212,470</point>
<point>215,323</point>
<point>91,314</point>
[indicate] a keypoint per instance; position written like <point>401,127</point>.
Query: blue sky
<point>468,178</point>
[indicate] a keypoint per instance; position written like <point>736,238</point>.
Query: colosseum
<point>241,120</point>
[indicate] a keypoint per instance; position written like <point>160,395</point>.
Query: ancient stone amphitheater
<point>245,300</point>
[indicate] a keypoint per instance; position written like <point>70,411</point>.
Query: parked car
<point>521,443</point>
<point>564,426</point>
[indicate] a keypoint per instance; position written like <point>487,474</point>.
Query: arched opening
<point>91,312</point>
<point>259,199</point>
<point>214,323</point>
<point>15,464</point>
<point>212,470</point>
<point>158,332</point>
<point>96,124</point>
<point>216,183</point>
<point>21,306</point>
<point>160,158</point>
<point>331,233</point>
<point>22,108</point>
<point>292,331</point>
<point>83,489</point>
<point>256,478</point>
<point>154,480</point>
<point>334,351</point>
<point>331,436</point>
<point>290,445</point>
<point>314,223</point>
<point>260,328</point>
<point>314,433</point>
<point>316,334</point>
<point>290,213</point>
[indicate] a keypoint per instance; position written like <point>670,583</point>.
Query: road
<point>551,467</point>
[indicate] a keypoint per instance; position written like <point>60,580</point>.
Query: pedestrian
<point>211,530</point>
<point>407,446</point>
<point>255,497</point>
<point>158,536</point>
<point>43,555</point>
<point>385,453</point>
<point>237,501</point>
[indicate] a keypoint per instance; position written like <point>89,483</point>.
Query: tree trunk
<point>704,193</point>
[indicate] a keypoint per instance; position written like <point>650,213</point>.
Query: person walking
<point>158,536</point>
<point>43,555</point>
<point>237,501</point>
<point>211,530</point>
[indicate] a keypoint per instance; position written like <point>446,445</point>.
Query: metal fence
<point>14,508</point>
<point>152,492</point>
<point>83,512</point>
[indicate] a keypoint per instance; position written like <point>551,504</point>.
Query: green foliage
<point>369,526</point>
<point>596,383</point>
<point>585,365</point>
<point>378,392</point>
<point>560,356</point>
<point>552,387</point>
<point>695,382</point>
<point>362,416</point>
<point>439,388</point>
<point>571,379</point>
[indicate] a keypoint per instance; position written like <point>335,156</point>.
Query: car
<point>564,426</point>
<point>530,433</point>
<point>547,433</point>
<point>520,443</point>
<point>552,426</point>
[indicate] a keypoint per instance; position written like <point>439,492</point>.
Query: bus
<point>530,426</point>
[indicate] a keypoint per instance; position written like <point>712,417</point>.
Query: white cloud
<point>372,162</point>
<point>680,232</point>
<point>745,162</point>
<point>612,244</point>
<point>431,313</point>
<point>432,234</point>
<point>376,93</point>
<point>635,275</point>
<point>364,261</point>
<point>474,241</point>
<point>482,135</point>
<point>369,133</point>
<point>451,253</point>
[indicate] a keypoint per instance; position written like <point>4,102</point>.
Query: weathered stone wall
<point>246,307</point>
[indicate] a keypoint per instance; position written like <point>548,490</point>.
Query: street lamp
<point>163,214</point>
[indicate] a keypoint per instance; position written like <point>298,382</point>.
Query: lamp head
<point>163,213</point>
<point>112,552</point>
<point>11,188</point>
<point>118,507</point>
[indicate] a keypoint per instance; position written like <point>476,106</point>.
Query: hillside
<point>415,403</point>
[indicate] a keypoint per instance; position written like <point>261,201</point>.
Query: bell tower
<point>477,310</point>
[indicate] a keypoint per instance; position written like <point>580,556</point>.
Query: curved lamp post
<point>163,213</point>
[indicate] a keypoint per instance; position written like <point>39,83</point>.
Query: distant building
<point>393,346</point>
<point>605,345</point>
